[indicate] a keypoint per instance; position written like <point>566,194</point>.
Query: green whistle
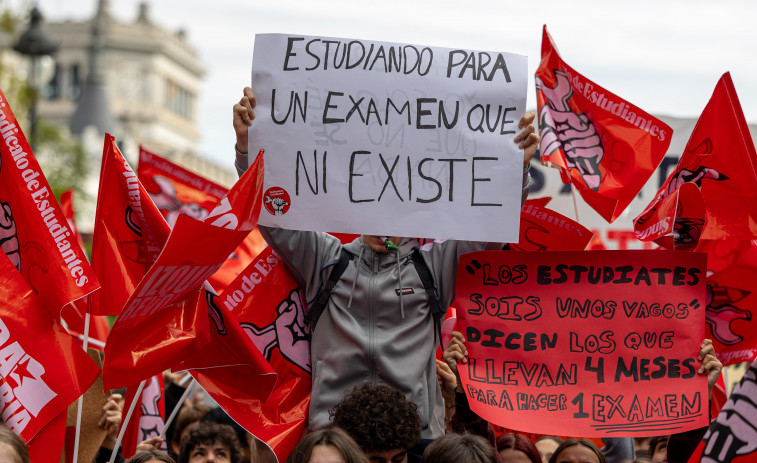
<point>389,245</point>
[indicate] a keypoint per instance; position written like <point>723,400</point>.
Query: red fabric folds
<point>606,147</point>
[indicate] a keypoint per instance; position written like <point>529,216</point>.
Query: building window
<point>178,99</point>
<point>74,83</point>
<point>51,90</point>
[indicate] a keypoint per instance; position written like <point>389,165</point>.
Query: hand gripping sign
<point>600,343</point>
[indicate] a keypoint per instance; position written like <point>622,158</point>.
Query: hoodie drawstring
<point>399,278</point>
<point>357,273</point>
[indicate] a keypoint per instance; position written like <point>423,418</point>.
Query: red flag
<point>266,301</point>
<point>176,190</point>
<point>732,436</point>
<point>42,370</point>
<point>34,233</point>
<point>129,232</point>
<point>47,445</point>
<point>542,229</point>
<point>165,317</point>
<point>606,147</point>
<point>148,418</point>
<point>676,222</point>
<point>67,206</point>
<point>731,300</point>
<point>720,159</point>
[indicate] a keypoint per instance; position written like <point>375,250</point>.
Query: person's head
<point>577,451</point>
<point>218,415</point>
<point>150,456</point>
<point>377,243</point>
<point>459,448</point>
<point>210,442</point>
<point>658,448</point>
<point>381,420</point>
<point>517,448</point>
<point>187,419</point>
<point>329,445</point>
<point>12,448</point>
<point>546,445</point>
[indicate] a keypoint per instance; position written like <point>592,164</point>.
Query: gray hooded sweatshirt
<point>377,325</point>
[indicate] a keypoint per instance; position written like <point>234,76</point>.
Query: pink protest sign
<point>600,343</point>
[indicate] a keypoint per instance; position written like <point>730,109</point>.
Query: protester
<point>110,420</point>
<point>218,415</point>
<point>658,448</point>
<point>210,443</point>
<point>364,309</point>
<point>152,444</point>
<point>150,456</point>
<point>460,448</point>
<point>577,451</point>
<point>546,445</point>
<point>381,420</point>
<point>328,445</point>
<point>517,448</point>
<point>187,419</point>
<point>12,448</point>
<point>619,449</point>
<point>448,384</point>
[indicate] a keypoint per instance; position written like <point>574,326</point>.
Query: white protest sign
<point>388,139</point>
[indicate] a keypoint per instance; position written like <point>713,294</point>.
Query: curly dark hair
<point>208,433</point>
<point>378,417</point>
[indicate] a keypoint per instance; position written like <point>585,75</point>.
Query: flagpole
<point>80,402</point>
<point>176,409</point>
<point>125,422</point>
<point>575,202</point>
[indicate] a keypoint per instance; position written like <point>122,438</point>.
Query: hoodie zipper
<point>371,318</point>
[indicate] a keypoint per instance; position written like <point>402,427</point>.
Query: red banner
<point>731,302</point>
<point>42,370</point>
<point>34,233</point>
<point>720,159</point>
<point>166,316</point>
<point>606,147</point>
<point>542,229</point>
<point>129,232</point>
<point>176,190</point>
<point>596,344</point>
<point>266,301</point>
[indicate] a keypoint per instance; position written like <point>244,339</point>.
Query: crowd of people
<point>376,423</point>
<point>379,393</point>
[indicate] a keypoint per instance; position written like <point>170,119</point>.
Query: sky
<point>664,56</point>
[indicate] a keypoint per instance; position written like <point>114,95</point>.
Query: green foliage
<point>62,158</point>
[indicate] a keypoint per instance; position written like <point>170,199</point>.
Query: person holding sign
<point>455,353</point>
<point>379,321</point>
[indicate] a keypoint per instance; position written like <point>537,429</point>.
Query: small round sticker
<point>276,201</point>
